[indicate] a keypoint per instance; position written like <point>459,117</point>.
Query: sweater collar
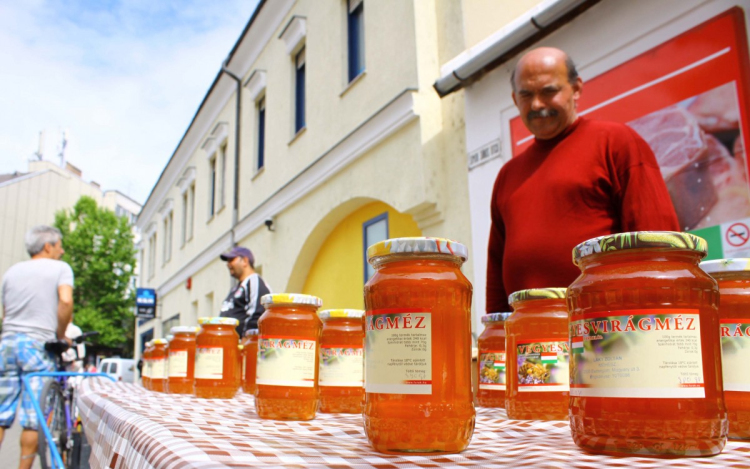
<point>558,138</point>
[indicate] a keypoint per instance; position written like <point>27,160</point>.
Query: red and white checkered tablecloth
<point>129,427</point>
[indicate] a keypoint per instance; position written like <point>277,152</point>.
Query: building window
<point>167,325</point>
<point>261,132</point>
<point>223,175</point>
<point>184,218</point>
<point>373,231</point>
<point>152,256</point>
<point>356,37</point>
<point>299,91</point>
<point>212,187</point>
<point>191,214</point>
<point>167,254</point>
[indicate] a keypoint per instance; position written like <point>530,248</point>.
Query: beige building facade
<point>375,153</point>
<point>32,198</point>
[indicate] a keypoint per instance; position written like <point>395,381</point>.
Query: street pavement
<point>10,452</point>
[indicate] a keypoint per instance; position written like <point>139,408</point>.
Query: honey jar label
<point>492,370</point>
<point>146,368</point>
<point>178,363</point>
<point>543,365</point>
<point>341,365</point>
<point>735,354</point>
<point>159,368</point>
<point>286,361</point>
<point>398,351</point>
<point>643,353</point>
<point>209,363</point>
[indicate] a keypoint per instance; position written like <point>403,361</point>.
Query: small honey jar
<point>249,359</point>
<point>491,363</point>
<point>216,360</point>
<point>287,364</point>
<point>341,372</point>
<point>181,362</point>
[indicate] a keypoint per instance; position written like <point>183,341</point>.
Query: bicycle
<point>58,407</point>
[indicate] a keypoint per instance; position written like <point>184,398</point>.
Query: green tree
<point>99,248</point>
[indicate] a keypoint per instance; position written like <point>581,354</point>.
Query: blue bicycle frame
<point>56,457</point>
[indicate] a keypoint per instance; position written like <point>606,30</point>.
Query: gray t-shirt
<point>30,297</point>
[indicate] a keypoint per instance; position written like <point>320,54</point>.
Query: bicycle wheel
<point>52,403</point>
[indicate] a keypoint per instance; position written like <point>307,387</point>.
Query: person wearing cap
<point>243,301</point>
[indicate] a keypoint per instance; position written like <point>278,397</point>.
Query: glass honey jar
<point>733,277</point>
<point>181,362</point>
<point>537,355</point>
<point>146,373</point>
<point>249,358</point>
<point>159,365</point>
<point>491,363</point>
<point>418,394</point>
<point>645,352</point>
<point>287,361</point>
<point>341,373</point>
<point>216,363</point>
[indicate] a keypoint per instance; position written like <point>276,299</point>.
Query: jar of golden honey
<point>341,369</point>
<point>733,277</point>
<point>159,365</point>
<point>287,364</point>
<point>250,356</point>
<point>537,355</point>
<point>181,362</point>
<point>646,370</point>
<point>216,358</point>
<point>491,342</point>
<point>418,396</point>
<point>146,373</point>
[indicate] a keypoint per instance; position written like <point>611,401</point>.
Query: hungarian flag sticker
<point>577,345</point>
<point>549,357</point>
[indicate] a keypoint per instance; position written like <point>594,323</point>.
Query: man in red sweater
<point>579,179</point>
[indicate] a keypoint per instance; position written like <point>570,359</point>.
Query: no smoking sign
<point>737,235</point>
<point>735,238</point>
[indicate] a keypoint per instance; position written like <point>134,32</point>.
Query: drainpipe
<point>235,209</point>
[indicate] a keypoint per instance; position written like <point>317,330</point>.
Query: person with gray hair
<point>39,236</point>
<point>37,305</point>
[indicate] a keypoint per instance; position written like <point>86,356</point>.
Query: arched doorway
<point>338,272</point>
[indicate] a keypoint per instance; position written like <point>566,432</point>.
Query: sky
<point>121,79</point>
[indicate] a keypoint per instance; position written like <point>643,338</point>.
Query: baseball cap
<point>238,251</point>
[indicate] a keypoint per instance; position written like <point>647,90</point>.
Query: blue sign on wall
<point>145,303</point>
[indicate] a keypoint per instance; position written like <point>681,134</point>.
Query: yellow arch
<point>337,273</point>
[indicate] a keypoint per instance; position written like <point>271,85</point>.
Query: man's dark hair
<point>569,64</point>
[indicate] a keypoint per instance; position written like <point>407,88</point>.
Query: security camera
<point>269,224</point>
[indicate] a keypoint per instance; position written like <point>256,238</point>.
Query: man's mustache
<point>541,113</point>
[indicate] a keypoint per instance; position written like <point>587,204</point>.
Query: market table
<point>130,427</point>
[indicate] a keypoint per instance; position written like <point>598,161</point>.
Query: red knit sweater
<point>594,179</point>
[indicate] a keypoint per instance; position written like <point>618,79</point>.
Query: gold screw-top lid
<point>160,342</point>
<point>216,320</point>
<point>536,294</point>
<point>184,330</point>
<point>417,246</point>
<point>290,299</point>
<point>341,313</point>
<point>495,317</point>
<point>640,240</point>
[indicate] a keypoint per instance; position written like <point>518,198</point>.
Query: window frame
<point>366,244</point>
<point>212,187</point>
<point>300,78</point>
<point>260,150</point>
<point>355,38</point>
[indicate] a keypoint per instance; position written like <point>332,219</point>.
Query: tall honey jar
<point>341,373</point>
<point>146,373</point>
<point>287,365</point>
<point>646,375</point>
<point>249,360</point>
<point>491,363</point>
<point>733,277</point>
<point>159,365</point>
<point>181,362</point>
<point>418,395</point>
<point>216,362</point>
<point>537,355</point>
